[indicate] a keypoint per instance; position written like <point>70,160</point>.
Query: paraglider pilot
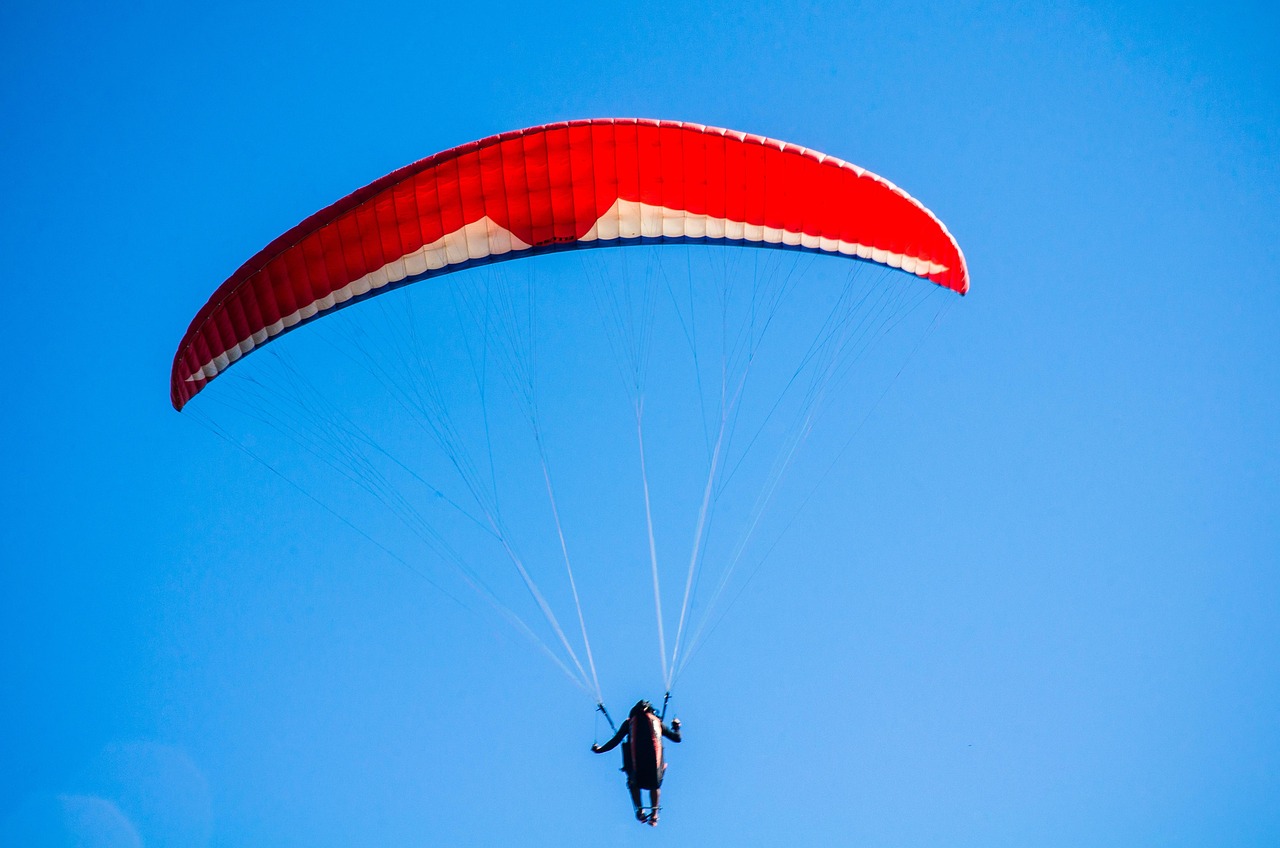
<point>642,759</point>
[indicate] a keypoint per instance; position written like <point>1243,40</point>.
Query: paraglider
<point>576,186</point>
<point>643,760</point>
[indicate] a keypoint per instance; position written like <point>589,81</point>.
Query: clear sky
<point>1039,603</point>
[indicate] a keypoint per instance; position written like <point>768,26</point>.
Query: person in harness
<point>642,759</point>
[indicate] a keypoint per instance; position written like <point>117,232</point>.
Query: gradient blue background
<point>1041,609</point>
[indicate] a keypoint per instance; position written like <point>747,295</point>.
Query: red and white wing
<point>590,183</point>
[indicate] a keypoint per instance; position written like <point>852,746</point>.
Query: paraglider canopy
<point>579,184</point>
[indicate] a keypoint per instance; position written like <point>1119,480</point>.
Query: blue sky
<point>1036,606</point>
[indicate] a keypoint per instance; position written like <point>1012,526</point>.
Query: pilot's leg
<point>635,798</point>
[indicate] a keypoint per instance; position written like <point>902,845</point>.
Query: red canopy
<point>590,183</point>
